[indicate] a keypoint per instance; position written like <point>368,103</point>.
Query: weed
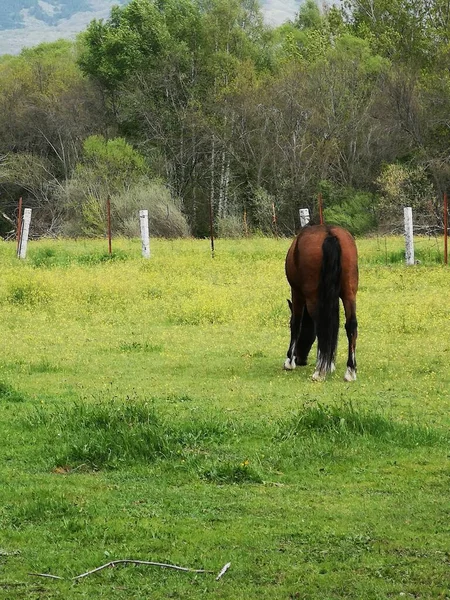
<point>48,257</point>
<point>232,473</point>
<point>43,366</point>
<point>345,421</point>
<point>27,294</point>
<point>92,259</point>
<point>39,506</point>
<point>107,434</point>
<point>138,347</point>
<point>9,394</point>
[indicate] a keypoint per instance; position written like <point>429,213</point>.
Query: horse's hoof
<point>289,365</point>
<point>350,375</point>
<point>318,376</point>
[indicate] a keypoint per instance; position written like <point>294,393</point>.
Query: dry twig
<point>223,571</point>
<point>46,575</point>
<point>125,561</point>
<point>113,563</point>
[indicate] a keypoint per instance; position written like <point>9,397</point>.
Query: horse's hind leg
<point>306,338</point>
<point>351,327</point>
<point>297,306</point>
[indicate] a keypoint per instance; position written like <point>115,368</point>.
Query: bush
<point>262,211</point>
<point>113,168</point>
<point>164,212</point>
<point>230,226</point>
<point>355,214</point>
<point>406,185</point>
<point>87,214</point>
<point>348,208</point>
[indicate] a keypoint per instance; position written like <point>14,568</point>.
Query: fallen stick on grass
<point>113,563</point>
<point>46,575</point>
<point>223,571</point>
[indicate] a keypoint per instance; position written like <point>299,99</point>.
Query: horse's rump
<point>304,260</point>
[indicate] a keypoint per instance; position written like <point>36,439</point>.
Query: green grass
<point>144,414</point>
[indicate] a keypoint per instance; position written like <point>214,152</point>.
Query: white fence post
<point>304,216</point>
<point>24,233</point>
<point>145,237</point>
<point>409,236</point>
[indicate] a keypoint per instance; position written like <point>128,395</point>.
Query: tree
<point>308,16</point>
<point>408,31</point>
<point>46,110</point>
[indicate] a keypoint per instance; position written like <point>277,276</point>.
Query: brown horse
<point>321,267</point>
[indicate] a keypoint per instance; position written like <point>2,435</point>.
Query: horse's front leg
<point>306,338</point>
<point>296,307</point>
<point>351,327</point>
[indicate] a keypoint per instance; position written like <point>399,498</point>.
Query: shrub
<point>164,212</point>
<point>354,213</point>
<point>405,185</point>
<point>87,214</point>
<point>230,226</point>
<point>348,208</point>
<point>112,168</point>
<point>262,211</point>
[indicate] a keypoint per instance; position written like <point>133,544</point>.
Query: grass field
<point>144,414</point>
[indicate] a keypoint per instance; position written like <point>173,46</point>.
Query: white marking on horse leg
<point>289,364</point>
<point>332,368</point>
<point>350,374</point>
<point>318,376</point>
<point>320,372</point>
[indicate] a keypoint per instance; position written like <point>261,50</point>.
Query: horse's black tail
<point>328,302</point>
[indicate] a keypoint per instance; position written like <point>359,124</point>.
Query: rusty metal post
<point>108,212</point>
<point>274,220</point>
<point>245,224</point>
<point>211,227</point>
<point>320,208</point>
<point>445,229</point>
<point>19,226</point>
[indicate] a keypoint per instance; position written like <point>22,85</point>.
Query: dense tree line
<point>183,104</point>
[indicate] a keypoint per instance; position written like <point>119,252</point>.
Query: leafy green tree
<point>309,16</point>
<point>115,48</point>
<point>227,112</point>
<point>170,95</point>
<point>110,165</point>
<point>409,31</point>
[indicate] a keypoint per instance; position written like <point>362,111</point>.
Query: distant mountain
<point>25,23</point>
